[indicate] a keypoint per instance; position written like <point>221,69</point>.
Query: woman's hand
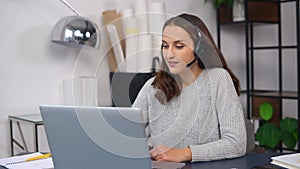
<point>164,153</point>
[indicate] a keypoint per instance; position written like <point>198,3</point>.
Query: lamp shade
<point>76,31</point>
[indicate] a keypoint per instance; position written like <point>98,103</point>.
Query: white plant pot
<point>238,10</point>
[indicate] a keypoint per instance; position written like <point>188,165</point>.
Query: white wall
<point>32,68</point>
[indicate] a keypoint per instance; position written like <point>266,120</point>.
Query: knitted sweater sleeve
<point>141,102</point>
<point>232,142</point>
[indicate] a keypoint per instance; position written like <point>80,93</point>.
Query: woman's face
<point>177,48</point>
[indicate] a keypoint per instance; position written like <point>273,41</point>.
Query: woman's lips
<point>172,63</point>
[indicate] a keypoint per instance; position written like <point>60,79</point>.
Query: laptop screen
<point>96,137</point>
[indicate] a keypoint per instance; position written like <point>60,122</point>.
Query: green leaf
<point>295,134</point>
<point>268,135</point>
<point>266,111</point>
<point>289,124</point>
<point>289,140</point>
<point>229,3</point>
<point>219,3</point>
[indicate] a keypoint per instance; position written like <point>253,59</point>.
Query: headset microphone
<point>191,63</point>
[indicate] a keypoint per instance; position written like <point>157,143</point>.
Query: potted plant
<point>219,3</point>
<point>230,10</point>
<point>271,135</point>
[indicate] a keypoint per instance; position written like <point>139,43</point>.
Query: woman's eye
<point>164,46</point>
<point>179,46</point>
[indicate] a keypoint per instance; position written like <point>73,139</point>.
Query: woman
<point>192,104</point>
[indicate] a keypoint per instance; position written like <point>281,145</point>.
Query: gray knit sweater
<point>207,116</point>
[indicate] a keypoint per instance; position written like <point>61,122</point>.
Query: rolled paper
<point>131,26</point>
<point>108,16</point>
<point>112,17</point>
<point>131,44</point>
<point>80,91</point>
<point>131,54</point>
<point>145,54</point>
<point>157,41</point>
<point>141,11</point>
<point>116,45</point>
<point>157,17</point>
<point>89,87</point>
<point>126,13</point>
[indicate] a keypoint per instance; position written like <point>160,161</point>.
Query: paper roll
<point>116,45</point>
<point>89,87</point>
<point>131,44</point>
<point>157,41</point>
<point>141,10</point>
<point>131,26</point>
<point>128,12</point>
<point>145,54</point>
<point>80,91</point>
<point>131,54</point>
<point>157,17</point>
<point>112,17</point>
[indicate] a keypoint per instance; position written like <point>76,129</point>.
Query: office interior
<point>33,69</point>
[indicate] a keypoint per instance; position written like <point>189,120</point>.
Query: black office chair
<point>250,136</point>
<point>126,86</point>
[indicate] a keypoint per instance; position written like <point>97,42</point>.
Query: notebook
<point>97,137</point>
<point>291,161</point>
<point>26,162</point>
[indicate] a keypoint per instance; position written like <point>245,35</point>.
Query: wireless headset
<point>204,50</point>
<point>197,48</point>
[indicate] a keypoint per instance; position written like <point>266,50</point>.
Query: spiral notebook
<point>19,162</point>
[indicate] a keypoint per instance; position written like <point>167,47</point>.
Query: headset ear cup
<point>197,48</point>
<point>198,44</point>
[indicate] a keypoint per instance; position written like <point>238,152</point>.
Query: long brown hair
<point>169,85</point>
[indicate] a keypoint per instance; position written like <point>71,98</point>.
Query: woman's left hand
<point>164,153</point>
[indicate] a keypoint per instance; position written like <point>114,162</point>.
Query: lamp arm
<point>70,7</point>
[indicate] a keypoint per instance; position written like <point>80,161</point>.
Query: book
<point>28,161</point>
<point>291,161</point>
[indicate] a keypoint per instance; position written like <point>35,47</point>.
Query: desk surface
<point>32,118</point>
<point>246,162</point>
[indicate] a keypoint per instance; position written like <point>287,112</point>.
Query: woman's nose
<point>170,52</point>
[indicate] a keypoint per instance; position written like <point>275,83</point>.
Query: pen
<point>38,157</point>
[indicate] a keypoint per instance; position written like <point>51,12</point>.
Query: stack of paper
<point>19,162</point>
<point>291,161</point>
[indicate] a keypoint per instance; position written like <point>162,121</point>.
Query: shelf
<point>262,13</point>
<point>258,12</point>
<point>274,47</point>
<point>274,94</point>
<point>285,1</point>
<point>242,23</point>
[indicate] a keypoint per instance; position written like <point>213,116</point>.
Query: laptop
<point>98,137</point>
